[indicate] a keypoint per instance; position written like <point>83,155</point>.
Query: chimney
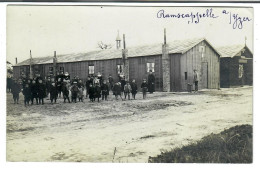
<point>16,60</point>
<point>164,35</point>
<point>124,40</point>
<point>118,41</point>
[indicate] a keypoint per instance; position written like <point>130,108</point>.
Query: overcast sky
<point>69,29</point>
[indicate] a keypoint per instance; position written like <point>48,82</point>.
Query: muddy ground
<point>121,131</point>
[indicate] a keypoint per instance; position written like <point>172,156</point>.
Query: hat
<point>66,74</point>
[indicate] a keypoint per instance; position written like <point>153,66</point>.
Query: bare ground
<point>121,131</point>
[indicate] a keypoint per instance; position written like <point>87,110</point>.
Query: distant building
<point>172,64</point>
<point>236,66</point>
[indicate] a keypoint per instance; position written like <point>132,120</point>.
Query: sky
<point>72,29</point>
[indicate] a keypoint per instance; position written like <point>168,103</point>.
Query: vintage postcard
<point>129,84</point>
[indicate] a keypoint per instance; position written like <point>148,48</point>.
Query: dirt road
<point>121,131</point>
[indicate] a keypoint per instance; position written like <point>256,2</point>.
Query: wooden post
<point>164,35</point>
<point>165,65</point>
<point>54,64</point>
<point>31,71</point>
<point>125,60</point>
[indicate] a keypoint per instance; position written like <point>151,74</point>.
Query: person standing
<point>105,90</point>
<point>151,82</point>
<point>127,90</point>
<point>111,82</point>
<point>34,90</point>
<point>196,80</point>
<point>91,92</point>
<point>97,91</point>
<point>134,89</point>
<point>27,94</point>
<point>15,90</point>
<point>88,82</point>
<point>144,87</point>
<point>53,92</point>
<point>74,92</point>
<point>65,90</point>
<point>117,90</point>
<point>41,91</point>
<point>9,84</point>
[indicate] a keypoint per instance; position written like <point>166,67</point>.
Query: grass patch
<point>233,145</point>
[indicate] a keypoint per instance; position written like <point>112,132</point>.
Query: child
<point>144,87</point>
<point>97,91</point>
<point>74,92</point>
<point>16,89</point>
<point>134,88</point>
<point>53,92</point>
<point>117,90</point>
<point>81,89</point>
<point>27,94</point>
<point>41,92</point>
<point>34,91</point>
<point>105,90</point>
<point>127,90</point>
<point>91,93</point>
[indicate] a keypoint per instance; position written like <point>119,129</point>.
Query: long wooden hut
<point>236,66</point>
<point>172,64</point>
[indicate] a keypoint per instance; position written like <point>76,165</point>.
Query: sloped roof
<point>231,50</point>
<point>178,46</point>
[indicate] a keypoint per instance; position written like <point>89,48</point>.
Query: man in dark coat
<point>91,93</point>
<point>134,88</point>
<point>9,83</point>
<point>117,90</point>
<point>53,92</point>
<point>97,91</point>
<point>65,90</point>
<point>27,94</point>
<point>123,82</point>
<point>34,91</point>
<point>41,92</point>
<point>105,90</point>
<point>88,82</point>
<point>151,82</point>
<point>16,89</point>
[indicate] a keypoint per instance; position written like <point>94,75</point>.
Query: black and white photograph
<point>129,84</point>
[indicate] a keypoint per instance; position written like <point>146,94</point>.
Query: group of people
<point>61,85</point>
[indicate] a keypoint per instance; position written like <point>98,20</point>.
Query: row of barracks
<point>172,64</point>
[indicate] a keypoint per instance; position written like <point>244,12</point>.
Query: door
<point>204,75</point>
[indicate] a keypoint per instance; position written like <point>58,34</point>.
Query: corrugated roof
<point>178,46</point>
<point>231,50</point>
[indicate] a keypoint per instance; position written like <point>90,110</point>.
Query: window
<point>240,71</point>
<point>150,66</point>
<point>91,70</point>
<point>21,70</point>
<point>51,70</point>
<point>62,69</point>
<point>186,76</point>
<point>119,68</point>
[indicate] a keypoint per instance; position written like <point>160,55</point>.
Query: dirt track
<point>121,131</point>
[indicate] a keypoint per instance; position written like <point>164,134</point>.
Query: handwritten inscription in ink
<point>236,20</point>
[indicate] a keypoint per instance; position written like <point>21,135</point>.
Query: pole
<point>164,35</point>
<point>54,64</point>
<point>31,71</point>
